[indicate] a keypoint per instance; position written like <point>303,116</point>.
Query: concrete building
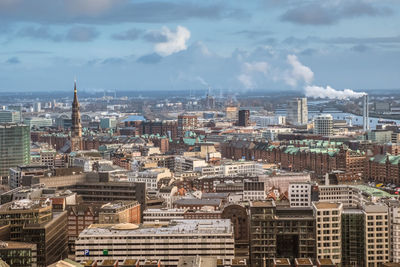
<point>152,216</point>
<point>349,196</point>
<point>300,194</point>
<point>376,238</point>
<point>167,244</point>
<point>394,230</point>
<point>18,174</point>
<point>265,121</point>
<point>328,218</point>
<point>183,164</point>
<point>14,147</point>
<point>18,253</point>
<point>149,177</point>
<point>120,212</point>
<point>34,222</point>
<point>297,111</point>
<point>323,125</point>
<point>253,190</point>
<point>250,168</point>
<point>231,113</point>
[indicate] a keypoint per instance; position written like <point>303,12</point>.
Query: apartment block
<point>328,217</point>
<point>376,230</point>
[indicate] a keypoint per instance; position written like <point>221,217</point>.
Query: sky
<point>312,46</point>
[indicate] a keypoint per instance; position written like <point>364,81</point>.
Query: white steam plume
<point>329,92</point>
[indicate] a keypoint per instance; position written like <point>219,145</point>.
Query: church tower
<point>76,129</point>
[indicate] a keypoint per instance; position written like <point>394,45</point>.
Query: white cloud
<point>256,67</point>
<point>331,93</point>
<point>249,70</point>
<point>175,41</point>
<point>90,7</point>
<point>246,80</point>
<point>298,73</point>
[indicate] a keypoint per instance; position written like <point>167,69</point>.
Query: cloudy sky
<point>164,45</point>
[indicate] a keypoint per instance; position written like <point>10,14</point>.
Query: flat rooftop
<point>327,205</point>
<point>262,204</point>
<point>24,204</point>
<point>177,227</point>
<point>303,261</point>
<point>4,245</point>
<point>282,261</point>
<point>374,191</point>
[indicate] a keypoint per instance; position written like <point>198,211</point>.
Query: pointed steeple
<point>76,116</point>
<point>75,94</point>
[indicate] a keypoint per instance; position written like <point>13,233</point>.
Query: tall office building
<point>280,232</point>
<point>376,234</point>
<point>37,107</point>
<point>33,221</point>
<point>244,117</point>
<point>323,125</point>
<point>7,116</point>
<point>297,111</point>
<point>14,146</point>
<point>329,228</point>
<point>353,243</point>
<point>76,129</point>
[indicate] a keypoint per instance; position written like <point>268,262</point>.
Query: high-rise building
<point>244,117</point>
<point>353,237</point>
<point>280,232</point>
<point>394,230</point>
<point>323,125</point>
<point>186,123</point>
<point>37,107</point>
<point>297,111</point>
<point>14,146</point>
<point>328,217</point>
<point>376,234</point>
<point>231,112</point>
<point>76,129</point>
<point>33,221</point>
<point>10,116</point>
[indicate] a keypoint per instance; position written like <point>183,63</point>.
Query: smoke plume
<point>329,92</point>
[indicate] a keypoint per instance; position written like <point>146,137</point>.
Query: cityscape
<point>199,134</point>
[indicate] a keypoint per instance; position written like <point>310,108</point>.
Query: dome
<point>125,226</point>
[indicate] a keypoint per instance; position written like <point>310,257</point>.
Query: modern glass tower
<point>14,146</point>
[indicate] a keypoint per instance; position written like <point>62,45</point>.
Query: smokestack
<point>365,113</point>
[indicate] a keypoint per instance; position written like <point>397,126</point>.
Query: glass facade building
<point>14,146</point>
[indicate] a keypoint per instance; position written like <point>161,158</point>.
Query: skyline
<point>178,45</point>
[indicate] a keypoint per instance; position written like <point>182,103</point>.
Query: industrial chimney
<point>365,113</point>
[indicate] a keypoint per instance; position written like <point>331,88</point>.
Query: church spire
<point>76,129</point>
